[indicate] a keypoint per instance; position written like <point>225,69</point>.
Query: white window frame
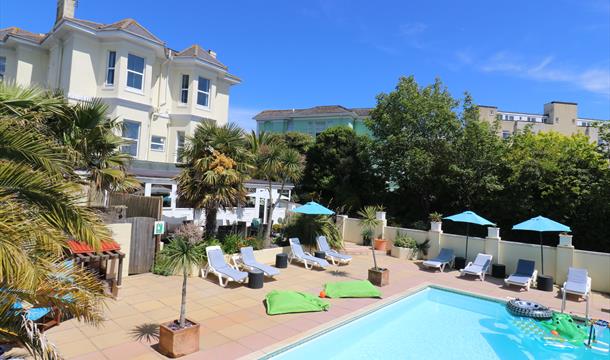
<point>133,89</point>
<point>205,107</point>
<point>137,139</point>
<point>158,143</point>
<point>110,68</point>
<point>178,147</point>
<point>184,89</point>
<point>3,68</point>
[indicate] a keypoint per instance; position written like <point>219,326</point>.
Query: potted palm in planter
<point>421,249</point>
<point>436,221</point>
<point>377,276</point>
<point>404,246</point>
<point>181,337</point>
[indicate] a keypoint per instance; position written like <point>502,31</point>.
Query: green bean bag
<point>285,302</point>
<point>351,289</point>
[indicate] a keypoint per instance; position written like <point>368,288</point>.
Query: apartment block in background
<point>312,121</point>
<point>558,116</point>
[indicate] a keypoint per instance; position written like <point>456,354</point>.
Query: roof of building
<point>153,169</point>
<point>17,32</point>
<point>195,51</point>
<point>332,110</point>
<point>128,25</point>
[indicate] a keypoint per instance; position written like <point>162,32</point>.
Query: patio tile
<point>281,332</point>
<point>125,351</point>
<point>226,351</point>
<point>219,322</point>
<point>148,305</point>
<point>91,356</point>
<point>212,339</point>
<point>111,339</point>
<point>76,348</point>
<point>237,331</point>
<point>260,324</point>
<point>257,341</point>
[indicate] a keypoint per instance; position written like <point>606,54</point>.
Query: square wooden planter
<point>176,343</point>
<point>379,277</point>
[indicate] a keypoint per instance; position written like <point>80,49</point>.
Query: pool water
<point>440,324</point>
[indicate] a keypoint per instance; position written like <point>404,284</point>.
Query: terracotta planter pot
<point>176,343</point>
<point>381,244</point>
<point>379,277</point>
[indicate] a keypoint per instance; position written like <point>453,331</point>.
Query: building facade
<point>558,116</point>
<point>312,121</point>
<point>159,94</point>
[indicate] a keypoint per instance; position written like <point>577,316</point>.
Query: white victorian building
<point>159,94</point>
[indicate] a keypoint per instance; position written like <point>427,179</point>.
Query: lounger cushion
<point>434,263</point>
<point>285,302</point>
<point>577,281</point>
<point>247,257</point>
<point>337,255</point>
<point>519,279</point>
<point>351,289</point>
<point>232,273</point>
<point>576,288</point>
<point>33,313</point>
<point>321,262</point>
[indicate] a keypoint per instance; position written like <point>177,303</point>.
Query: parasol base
<point>545,282</point>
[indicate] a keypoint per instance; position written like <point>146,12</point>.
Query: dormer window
<point>203,92</point>
<point>135,72</point>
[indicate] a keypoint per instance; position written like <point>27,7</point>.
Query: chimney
<point>65,9</point>
<point>212,53</point>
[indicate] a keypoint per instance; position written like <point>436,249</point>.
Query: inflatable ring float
<point>528,309</point>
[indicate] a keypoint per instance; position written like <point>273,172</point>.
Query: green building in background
<point>312,121</point>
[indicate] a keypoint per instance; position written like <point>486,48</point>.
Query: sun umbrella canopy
<point>469,217</point>
<point>313,208</point>
<point>541,224</point>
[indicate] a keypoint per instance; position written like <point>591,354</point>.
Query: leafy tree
<point>273,161</point>
<point>39,212</point>
<point>474,173</point>
<point>215,166</point>
<point>604,139</point>
<point>298,141</point>
<point>414,128</point>
<point>339,170</point>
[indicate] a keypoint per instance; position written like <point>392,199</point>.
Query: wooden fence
<point>142,249</point>
<point>138,206</point>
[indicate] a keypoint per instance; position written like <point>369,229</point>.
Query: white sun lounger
<point>525,274</point>
<point>577,283</point>
<point>479,267</point>
<point>246,259</point>
<point>218,266</point>
<point>297,253</point>
<point>334,256</point>
<point>445,257</point>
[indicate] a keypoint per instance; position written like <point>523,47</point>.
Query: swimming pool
<point>438,324</point>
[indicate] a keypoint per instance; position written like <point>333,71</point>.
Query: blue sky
<point>516,55</point>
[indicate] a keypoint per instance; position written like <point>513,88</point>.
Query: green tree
<point>604,139</point>
<point>40,211</point>
<point>558,176</point>
<point>339,170</point>
<point>215,166</point>
<point>273,162</point>
<point>298,141</point>
<point>181,255</point>
<point>473,177</point>
<point>414,128</point>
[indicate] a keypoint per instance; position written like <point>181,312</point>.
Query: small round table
<point>459,263</point>
<point>545,282</point>
<point>255,279</point>
<point>320,254</point>
<point>498,271</point>
<point>281,261</point>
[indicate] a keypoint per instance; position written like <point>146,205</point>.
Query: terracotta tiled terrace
<point>233,319</point>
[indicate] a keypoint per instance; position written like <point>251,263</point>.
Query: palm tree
<point>39,211</point>
<point>274,162</point>
<point>215,166</point>
<point>182,255</point>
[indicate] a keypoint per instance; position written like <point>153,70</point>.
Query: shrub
<point>307,227</point>
<point>160,267</point>
<point>190,231</point>
<point>405,241</point>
